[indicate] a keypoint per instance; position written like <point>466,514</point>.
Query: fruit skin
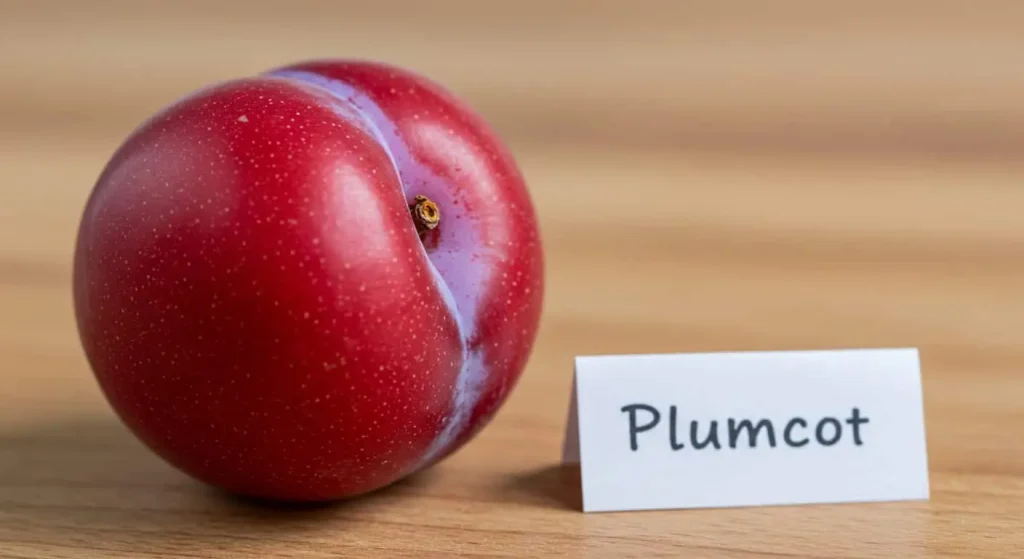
<point>257,305</point>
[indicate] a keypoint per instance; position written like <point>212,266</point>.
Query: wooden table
<point>736,175</point>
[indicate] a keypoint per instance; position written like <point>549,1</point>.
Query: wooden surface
<point>732,175</point>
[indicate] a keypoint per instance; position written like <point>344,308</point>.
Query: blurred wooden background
<point>710,176</point>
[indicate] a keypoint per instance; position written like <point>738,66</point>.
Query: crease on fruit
<point>358,107</point>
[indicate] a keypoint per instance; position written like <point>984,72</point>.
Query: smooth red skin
<point>253,299</point>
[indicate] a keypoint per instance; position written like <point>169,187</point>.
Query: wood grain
<point>727,175</point>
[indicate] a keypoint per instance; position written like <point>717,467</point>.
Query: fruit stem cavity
<point>425,214</point>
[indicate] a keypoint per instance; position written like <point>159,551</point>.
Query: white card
<point>827,426</point>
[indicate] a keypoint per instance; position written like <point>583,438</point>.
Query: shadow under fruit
<point>308,284</point>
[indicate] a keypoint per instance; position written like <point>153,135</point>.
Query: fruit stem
<point>425,214</point>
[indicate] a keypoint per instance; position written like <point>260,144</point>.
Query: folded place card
<point>748,429</point>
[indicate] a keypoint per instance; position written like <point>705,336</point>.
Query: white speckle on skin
<point>243,118</point>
